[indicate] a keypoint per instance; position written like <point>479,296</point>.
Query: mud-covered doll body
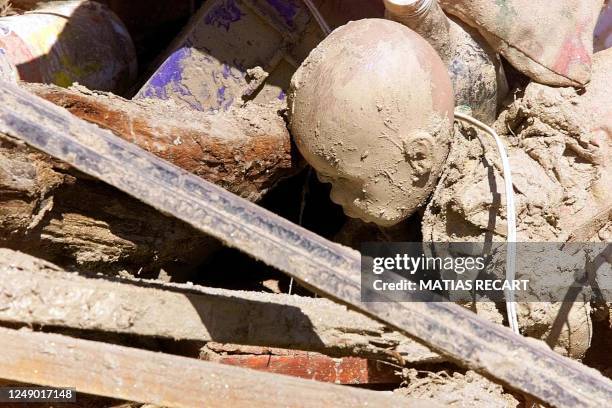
<point>559,142</point>
<point>371,109</point>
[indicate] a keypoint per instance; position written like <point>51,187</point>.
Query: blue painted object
<point>7,70</point>
<point>207,66</point>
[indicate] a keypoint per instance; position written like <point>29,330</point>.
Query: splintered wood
<point>53,212</point>
<point>524,365</point>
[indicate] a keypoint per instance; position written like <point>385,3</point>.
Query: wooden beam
<point>522,364</point>
<point>245,151</point>
<point>165,380</point>
<point>35,292</point>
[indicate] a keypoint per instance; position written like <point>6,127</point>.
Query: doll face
<point>382,181</point>
<point>371,111</point>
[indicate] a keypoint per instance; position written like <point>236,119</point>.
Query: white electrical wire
<point>510,216</point>
<point>318,17</point>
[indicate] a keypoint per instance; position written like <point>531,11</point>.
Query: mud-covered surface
<point>56,213</point>
<point>245,150</point>
<point>559,149</point>
<point>558,141</point>
<point>456,389</point>
<point>478,77</point>
<point>38,293</point>
<point>552,43</point>
<point>433,26</point>
<point>5,8</point>
<point>598,356</point>
<point>476,72</point>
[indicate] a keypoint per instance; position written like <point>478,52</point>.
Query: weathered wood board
<point>35,292</point>
<point>165,380</point>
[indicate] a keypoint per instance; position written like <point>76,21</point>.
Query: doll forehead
<point>381,151</point>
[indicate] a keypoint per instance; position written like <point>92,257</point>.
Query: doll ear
<point>418,151</point>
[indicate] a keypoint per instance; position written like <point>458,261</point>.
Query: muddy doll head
<point>371,110</point>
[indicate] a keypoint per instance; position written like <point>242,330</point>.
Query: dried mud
<point>559,142</point>
<point>468,390</point>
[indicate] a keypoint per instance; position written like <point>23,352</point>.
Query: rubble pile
<point>190,192</point>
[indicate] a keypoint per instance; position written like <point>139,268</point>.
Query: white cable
<point>510,216</point>
<point>318,17</point>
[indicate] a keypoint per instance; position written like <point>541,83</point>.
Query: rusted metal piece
<point>165,380</point>
<point>522,364</point>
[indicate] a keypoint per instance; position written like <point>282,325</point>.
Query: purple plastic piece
<point>207,70</point>
<point>224,14</point>
<point>171,73</point>
<point>286,8</point>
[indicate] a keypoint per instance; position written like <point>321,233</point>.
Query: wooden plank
<point>522,364</point>
<point>165,380</point>
<point>35,292</point>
